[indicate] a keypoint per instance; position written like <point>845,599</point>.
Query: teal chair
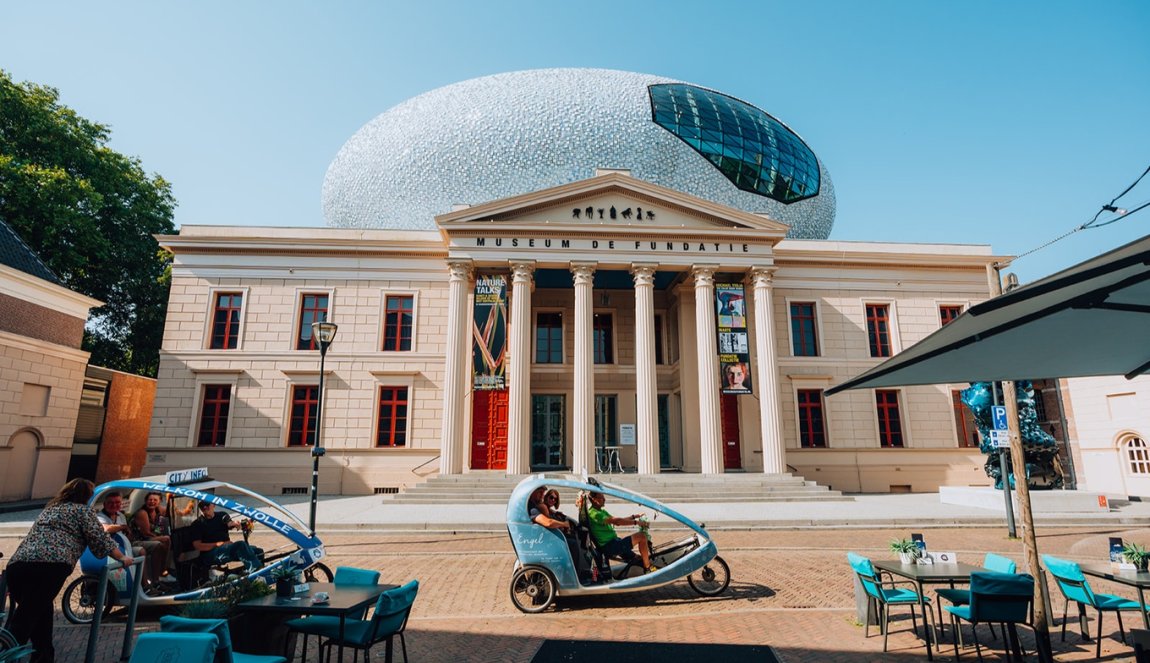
<point>218,628</point>
<point>1075,588</point>
<point>990,562</point>
<point>182,647</point>
<point>994,597</point>
<point>886,594</point>
<point>320,625</point>
<point>388,619</point>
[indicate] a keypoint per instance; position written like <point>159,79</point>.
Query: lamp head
<point>318,452</point>
<point>324,332</point>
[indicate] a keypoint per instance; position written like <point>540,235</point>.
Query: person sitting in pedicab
<point>112,518</point>
<point>150,532</point>
<point>541,514</point>
<point>602,526</point>
<point>210,537</point>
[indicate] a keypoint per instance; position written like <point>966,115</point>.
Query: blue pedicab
<point>300,553</point>
<point>544,569</point>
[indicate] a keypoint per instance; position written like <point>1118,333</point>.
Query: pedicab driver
<point>602,529</point>
<point>210,537</point>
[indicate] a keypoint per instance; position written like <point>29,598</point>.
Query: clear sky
<point>1002,123</point>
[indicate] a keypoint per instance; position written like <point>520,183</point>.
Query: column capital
<point>461,269</point>
<point>521,270</point>
<point>704,275</point>
<point>762,276</point>
<point>644,273</point>
<point>584,272</point>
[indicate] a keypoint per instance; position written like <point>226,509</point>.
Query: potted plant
<point>1136,555</point>
<point>285,577</point>
<point>907,550</point>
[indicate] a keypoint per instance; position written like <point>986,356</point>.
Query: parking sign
<point>998,414</point>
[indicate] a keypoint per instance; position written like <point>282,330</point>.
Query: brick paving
<point>791,590</point>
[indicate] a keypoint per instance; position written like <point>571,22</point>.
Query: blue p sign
<point>998,414</point>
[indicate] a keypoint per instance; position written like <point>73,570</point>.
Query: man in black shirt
<point>210,537</point>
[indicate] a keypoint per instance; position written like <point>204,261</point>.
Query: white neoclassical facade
<point>616,330</point>
<point>1111,433</point>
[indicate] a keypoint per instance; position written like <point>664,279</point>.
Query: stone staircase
<point>671,488</point>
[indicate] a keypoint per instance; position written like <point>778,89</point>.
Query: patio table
<point>343,600</point>
<point>928,574</point>
<point>1139,580</point>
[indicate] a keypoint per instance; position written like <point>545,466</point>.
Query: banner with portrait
<point>734,348</point>
<point>489,334</point>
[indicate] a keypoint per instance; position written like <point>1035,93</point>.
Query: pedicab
<point>190,578</point>
<point>544,569</point>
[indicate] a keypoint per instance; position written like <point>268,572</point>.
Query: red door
<point>489,430</point>
<point>729,416</point>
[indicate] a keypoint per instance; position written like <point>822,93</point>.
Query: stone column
<point>519,367</point>
<point>707,348</point>
<point>774,455</point>
<point>455,374</point>
<point>583,410</point>
<point>646,380</point>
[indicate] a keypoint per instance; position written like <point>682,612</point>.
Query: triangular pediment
<point>609,202</point>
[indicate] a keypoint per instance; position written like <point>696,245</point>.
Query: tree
<point>90,213</point>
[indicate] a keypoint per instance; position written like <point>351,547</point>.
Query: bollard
<point>98,614</point>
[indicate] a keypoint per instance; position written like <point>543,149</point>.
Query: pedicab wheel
<point>79,602</point>
<point>318,573</point>
<point>532,589</point>
<point>712,579</point>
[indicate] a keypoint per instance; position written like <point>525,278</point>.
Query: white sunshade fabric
<point>1091,319</point>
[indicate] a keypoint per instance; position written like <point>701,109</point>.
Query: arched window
<point>1137,456</point>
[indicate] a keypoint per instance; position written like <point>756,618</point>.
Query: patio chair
<point>319,625</point>
<point>219,629</point>
<point>886,594</point>
<point>1141,638</point>
<point>994,597</point>
<point>182,647</point>
<point>1074,587</point>
<point>957,596</point>
<point>388,620</point>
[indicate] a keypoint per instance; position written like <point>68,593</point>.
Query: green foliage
<point>284,572</point>
<point>1135,554</point>
<point>903,546</point>
<point>15,653</point>
<point>220,602</point>
<point>90,213</point>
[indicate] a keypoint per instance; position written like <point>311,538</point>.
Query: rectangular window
<point>226,320</point>
<point>812,425</point>
<point>878,329</point>
<point>603,344</point>
<point>605,421</point>
<point>1040,407</point>
<point>313,308</point>
<point>964,424</point>
<point>214,415</point>
<point>658,339</point>
<point>549,338</point>
<point>948,312</point>
<point>304,403</point>
<point>392,429</point>
<point>398,320</point>
<point>889,422</point>
<point>804,334</point>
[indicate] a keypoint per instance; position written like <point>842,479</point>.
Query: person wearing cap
<point>602,526</point>
<point>210,537</point>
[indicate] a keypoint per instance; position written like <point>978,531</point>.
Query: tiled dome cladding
<point>508,134</point>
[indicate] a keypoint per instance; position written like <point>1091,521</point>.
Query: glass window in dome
<point>752,149</point>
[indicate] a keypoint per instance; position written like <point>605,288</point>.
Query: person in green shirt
<point>602,526</point>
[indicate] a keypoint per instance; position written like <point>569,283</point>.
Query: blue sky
<point>1004,123</point>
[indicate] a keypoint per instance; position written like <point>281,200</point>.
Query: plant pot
<point>285,587</point>
<point>906,557</point>
<point>1143,563</point>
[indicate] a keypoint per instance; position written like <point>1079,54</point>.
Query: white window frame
<point>300,291</point>
<point>818,326</point>
<point>297,379</point>
<point>384,293</point>
<point>895,337</point>
<point>902,420</point>
<point>212,378</point>
<point>808,385</point>
<point>208,319</point>
<point>939,303</point>
<point>383,379</point>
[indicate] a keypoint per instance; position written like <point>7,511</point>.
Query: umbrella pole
<point>1029,541</point>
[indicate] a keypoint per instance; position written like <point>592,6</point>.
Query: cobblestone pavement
<point>791,590</point>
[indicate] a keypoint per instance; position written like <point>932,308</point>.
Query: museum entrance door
<point>489,430</point>
<point>729,416</point>
<point>548,422</point>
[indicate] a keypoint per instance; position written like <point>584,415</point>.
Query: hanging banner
<point>489,334</point>
<point>734,350</point>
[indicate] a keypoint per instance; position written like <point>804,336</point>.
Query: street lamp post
<point>324,333</point>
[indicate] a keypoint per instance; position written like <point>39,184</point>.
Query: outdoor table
<point>929,574</point>
<point>1139,580</point>
<point>343,600</point>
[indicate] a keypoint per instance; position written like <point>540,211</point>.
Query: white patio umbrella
<point>1090,319</point>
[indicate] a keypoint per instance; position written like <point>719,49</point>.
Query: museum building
<point>561,270</point>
